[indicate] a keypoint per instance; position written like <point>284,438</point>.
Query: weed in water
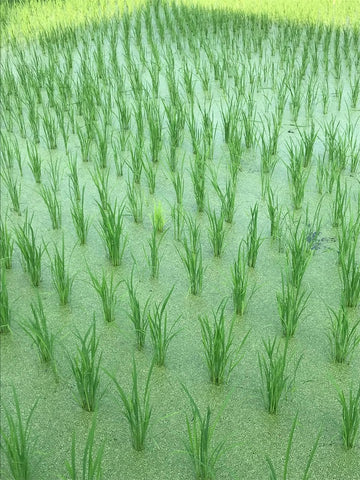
<point>16,443</point>
<point>85,366</point>
<point>137,408</point>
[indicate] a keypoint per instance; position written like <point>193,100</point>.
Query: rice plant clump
<point>350,416</point>
<point>16,441</point>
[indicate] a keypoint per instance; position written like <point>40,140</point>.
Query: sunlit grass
<point>30,17</point>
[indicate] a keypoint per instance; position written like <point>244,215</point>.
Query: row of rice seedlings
<point>218,339</point>
<point>276,379</point>
<point>191,257</point>
<point>161,334</point>
<point>137,408</point>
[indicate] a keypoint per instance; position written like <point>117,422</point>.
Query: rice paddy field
<point>180,218</point>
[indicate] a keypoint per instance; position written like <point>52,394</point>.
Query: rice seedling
<point>355,90</point>
<point>218,340</point>
<point>150,174</point>
<point>137,408</point>
<point>107,293</point>
<point>52,203</point>
<point>61,278</point>
<point>85,366</point>
<point>37,329</point>
<point>91,461</point>
<point>177,180</point>
<point>291,302</point>
<point>192,257</point>
<point>350,276</point>
<point>298,253</point>
<point>340,204</point>
<point>274,373</point>
<point>308,139</point>
<point>112,231</point>
<point>178,217</point>
<point>13,188</point>
<point>135,201</point>
<point>343,337</point>
<point>136,164</point>
<point>74,178</point>
<point>34,161</point>
<point>161,335</point>
<point>5,314</point>
<point>227,197</point>
<point>80,220</point>
<point>239,277</point>
<point>153,258</point>
<point>198,167</point>
<point>216,231</point>
<point>31,253</point>
<point>350,416</point>
<point>138,317</point>
<point>285,476</point>
<point>17,444</point>
<point>85,141</point>
<point>50,129</point>
<point>199,445</point>
<point>297,175</point>
<point>253,240</point>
